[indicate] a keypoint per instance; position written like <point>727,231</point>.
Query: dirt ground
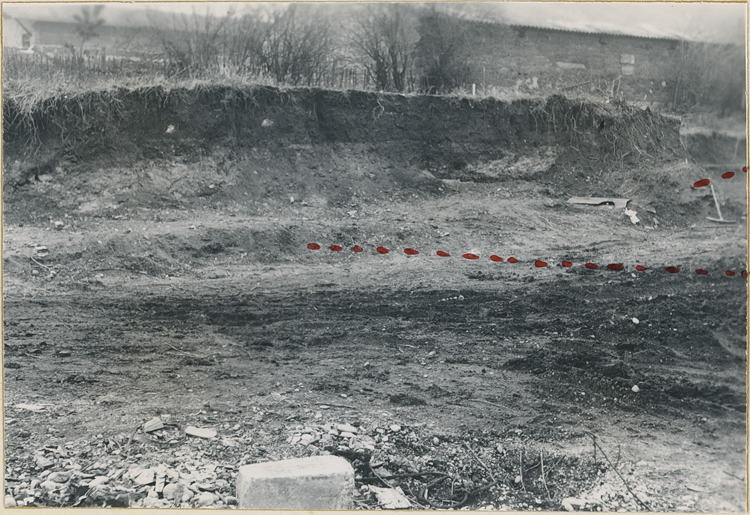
<point>528,387</point>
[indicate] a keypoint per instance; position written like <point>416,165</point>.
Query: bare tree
<point>381,39</point>
<point>192,43</point>
<point>297,45</point>
<point>443,50</point>
<point>708,75</point>
<point>88,24</point>
<point>243,43</point>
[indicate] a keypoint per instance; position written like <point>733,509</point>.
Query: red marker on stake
<point>701,183</point>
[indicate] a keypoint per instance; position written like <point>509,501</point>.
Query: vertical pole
<point>718,209</point>
<point>473,90</point>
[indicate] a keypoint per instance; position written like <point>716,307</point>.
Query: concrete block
<point>316,483</point>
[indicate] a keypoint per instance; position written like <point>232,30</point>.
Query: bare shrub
<point>443,50</point>
<point>708,75</point>
<point>382,39</point>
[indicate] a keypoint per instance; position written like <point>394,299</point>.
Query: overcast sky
<point>719,21</point>
<point>704,21</point>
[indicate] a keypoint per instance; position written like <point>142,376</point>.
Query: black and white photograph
<point>483,256</point>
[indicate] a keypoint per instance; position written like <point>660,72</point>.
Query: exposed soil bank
<point>327,144</point>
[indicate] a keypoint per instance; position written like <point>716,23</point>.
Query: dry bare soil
<point>175,282</point>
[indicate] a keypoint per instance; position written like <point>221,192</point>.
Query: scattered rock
<point>43,462</point>
<point>395,428</point>
<point>155,502</point>
<point>153,425</point>
<point>36,408</point>
<point>205,499</point>
<point>98,480</point>
<point>571,503</point>
<point>147,477</point>
<point>200,432</point>
<point>391,498</point>
<point>266,123</point>
<point>161,479</point>
<point>346,428</point>
<point>59,225</point>
<point>59,477</point>
<point>51,486</point>
<point>173,491</point>
<point>10,502</point>
<point>635,388</point>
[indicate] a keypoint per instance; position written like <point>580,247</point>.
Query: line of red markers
<point>538,263</point>
<point>726,175</point>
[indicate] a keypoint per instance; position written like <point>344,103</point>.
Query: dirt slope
<point>175,281</point>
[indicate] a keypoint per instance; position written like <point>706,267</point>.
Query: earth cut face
<point>291,278</point>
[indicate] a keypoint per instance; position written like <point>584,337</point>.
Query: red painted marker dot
<point>727,175</point>
<point>672,270</point>
<point>357,248</point>
<point>336,248</point>
<point>700,271</point>
<point>512,260</point>
<point>591,266</point>
<point>539,263</point>
<point>641,268</point>
<point>442,254</point>
<point>615,266</point>
<point>382,250</point>
<point>744,169</point>
<point>566,264</point>
<point>496,259</point>
<point>701,183</point>
<point>470,256</point>
<point>730,273</point>
<point>744,274</point>
<point>313,246</point>
<point>411,252</point>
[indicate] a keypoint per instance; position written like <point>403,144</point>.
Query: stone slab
<point>316,483</point>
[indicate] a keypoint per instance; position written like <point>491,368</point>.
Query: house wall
<point>509,56</point>
<point>13,34</point>
<point>54,36</point>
